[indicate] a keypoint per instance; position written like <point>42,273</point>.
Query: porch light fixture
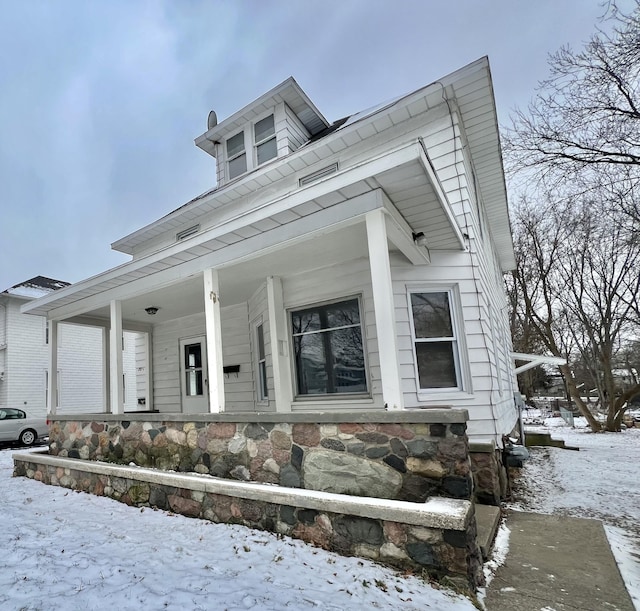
<point>151,310</point>
<point>420,239</point>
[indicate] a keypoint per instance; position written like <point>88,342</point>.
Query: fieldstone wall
<point>408,461</point>
<point>438,551</point>
<point>489,476</point>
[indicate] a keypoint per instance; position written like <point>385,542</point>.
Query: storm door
<point>193,373</point>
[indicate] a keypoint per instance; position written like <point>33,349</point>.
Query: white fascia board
<point>535,360</point>
<point>440,193</point>
<point>320,222</point>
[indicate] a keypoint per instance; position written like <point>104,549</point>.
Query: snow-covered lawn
<point>601,481</point>
<point>66,550</point>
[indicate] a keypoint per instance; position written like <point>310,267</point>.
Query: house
<point>24,357</point>
<point>353,265</point>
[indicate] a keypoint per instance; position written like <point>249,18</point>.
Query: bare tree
<point>577,285</point>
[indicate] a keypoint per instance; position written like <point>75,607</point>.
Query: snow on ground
<point>601,481</point>
<point>67,550</point>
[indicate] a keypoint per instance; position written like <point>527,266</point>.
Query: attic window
<point>309,178</point>
<point>182,235</point>
<point>236,155</point>
<point>264,135</point>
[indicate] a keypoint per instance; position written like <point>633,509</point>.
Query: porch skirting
<point>438,536</point>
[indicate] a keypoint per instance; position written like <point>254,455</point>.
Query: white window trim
<point>257,143</point>
<point>333,397</point>
<point>461,355</point>
<point>260,399</point>
<point>251,145</point>
<point>229,159</point>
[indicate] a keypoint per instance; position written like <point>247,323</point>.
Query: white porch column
<point>214,340</point>
<point>279,345</point>
<point>148,369</point>
<point>384,309</point>
<point>116,383</point>
<point>106,366</point>
<point>52,381</point>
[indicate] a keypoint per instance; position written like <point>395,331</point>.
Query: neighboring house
<point>24,357</point>
<point>354,265</point>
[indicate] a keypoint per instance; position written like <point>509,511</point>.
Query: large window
<point>236,155</point>
<point>265,140</point>
<point>435,340</point>
<point>329,355</point>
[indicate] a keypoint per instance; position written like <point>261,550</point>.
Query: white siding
<point>27,358</point>
<point>239,393</point>
<point>352,279</point>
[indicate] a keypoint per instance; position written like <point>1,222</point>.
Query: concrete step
<point>488,522</point>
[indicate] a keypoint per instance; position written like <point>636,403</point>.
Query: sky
<point>100,101</point>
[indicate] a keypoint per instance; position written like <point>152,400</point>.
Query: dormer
<point>276,124</point>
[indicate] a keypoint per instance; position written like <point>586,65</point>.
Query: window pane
<point>431,315</point>
<point>260,332</point>
<point>237,166</point>
<point>343,313</point>
<point>305,321</point>
<point>193,382</point>
<point>310,364</point>
<point>264,393</point>
<point>436,365</point>
<point>264,128</point>
<point>192,356</point>
<point>235,144</point>
<point>267,150</point>
<point>348,360</point>
<point>330,362</point>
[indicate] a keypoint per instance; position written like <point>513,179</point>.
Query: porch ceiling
<point>240,281</point>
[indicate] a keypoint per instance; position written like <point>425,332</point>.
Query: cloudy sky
<point>100,101</point>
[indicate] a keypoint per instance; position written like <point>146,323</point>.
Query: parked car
<point>15,425</point>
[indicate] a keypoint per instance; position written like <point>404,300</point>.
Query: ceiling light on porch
<point>151,310</point>
<point>420,239</point>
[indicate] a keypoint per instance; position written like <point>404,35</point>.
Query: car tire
<point>28,437</point>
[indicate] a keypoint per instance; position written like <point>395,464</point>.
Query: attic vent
<point>182,235</point>
<point>309,178</point>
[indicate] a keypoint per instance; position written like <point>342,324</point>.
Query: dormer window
<point>236,155</point>
<point>264,133</point>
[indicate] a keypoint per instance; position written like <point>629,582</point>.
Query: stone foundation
<point>408,456</point>
<point>438,536</point>
<point>489,474</point>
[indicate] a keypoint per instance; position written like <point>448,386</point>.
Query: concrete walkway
<point>556,564</point>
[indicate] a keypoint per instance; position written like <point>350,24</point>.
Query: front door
<point>193,373</point>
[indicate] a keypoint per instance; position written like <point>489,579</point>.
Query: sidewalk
<point>556,563</point>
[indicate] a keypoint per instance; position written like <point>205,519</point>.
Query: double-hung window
<point>264,136</point>
<point>236,155</point>
<point>263,393</point>
<point>328,348</point>
<point>435,340</point>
